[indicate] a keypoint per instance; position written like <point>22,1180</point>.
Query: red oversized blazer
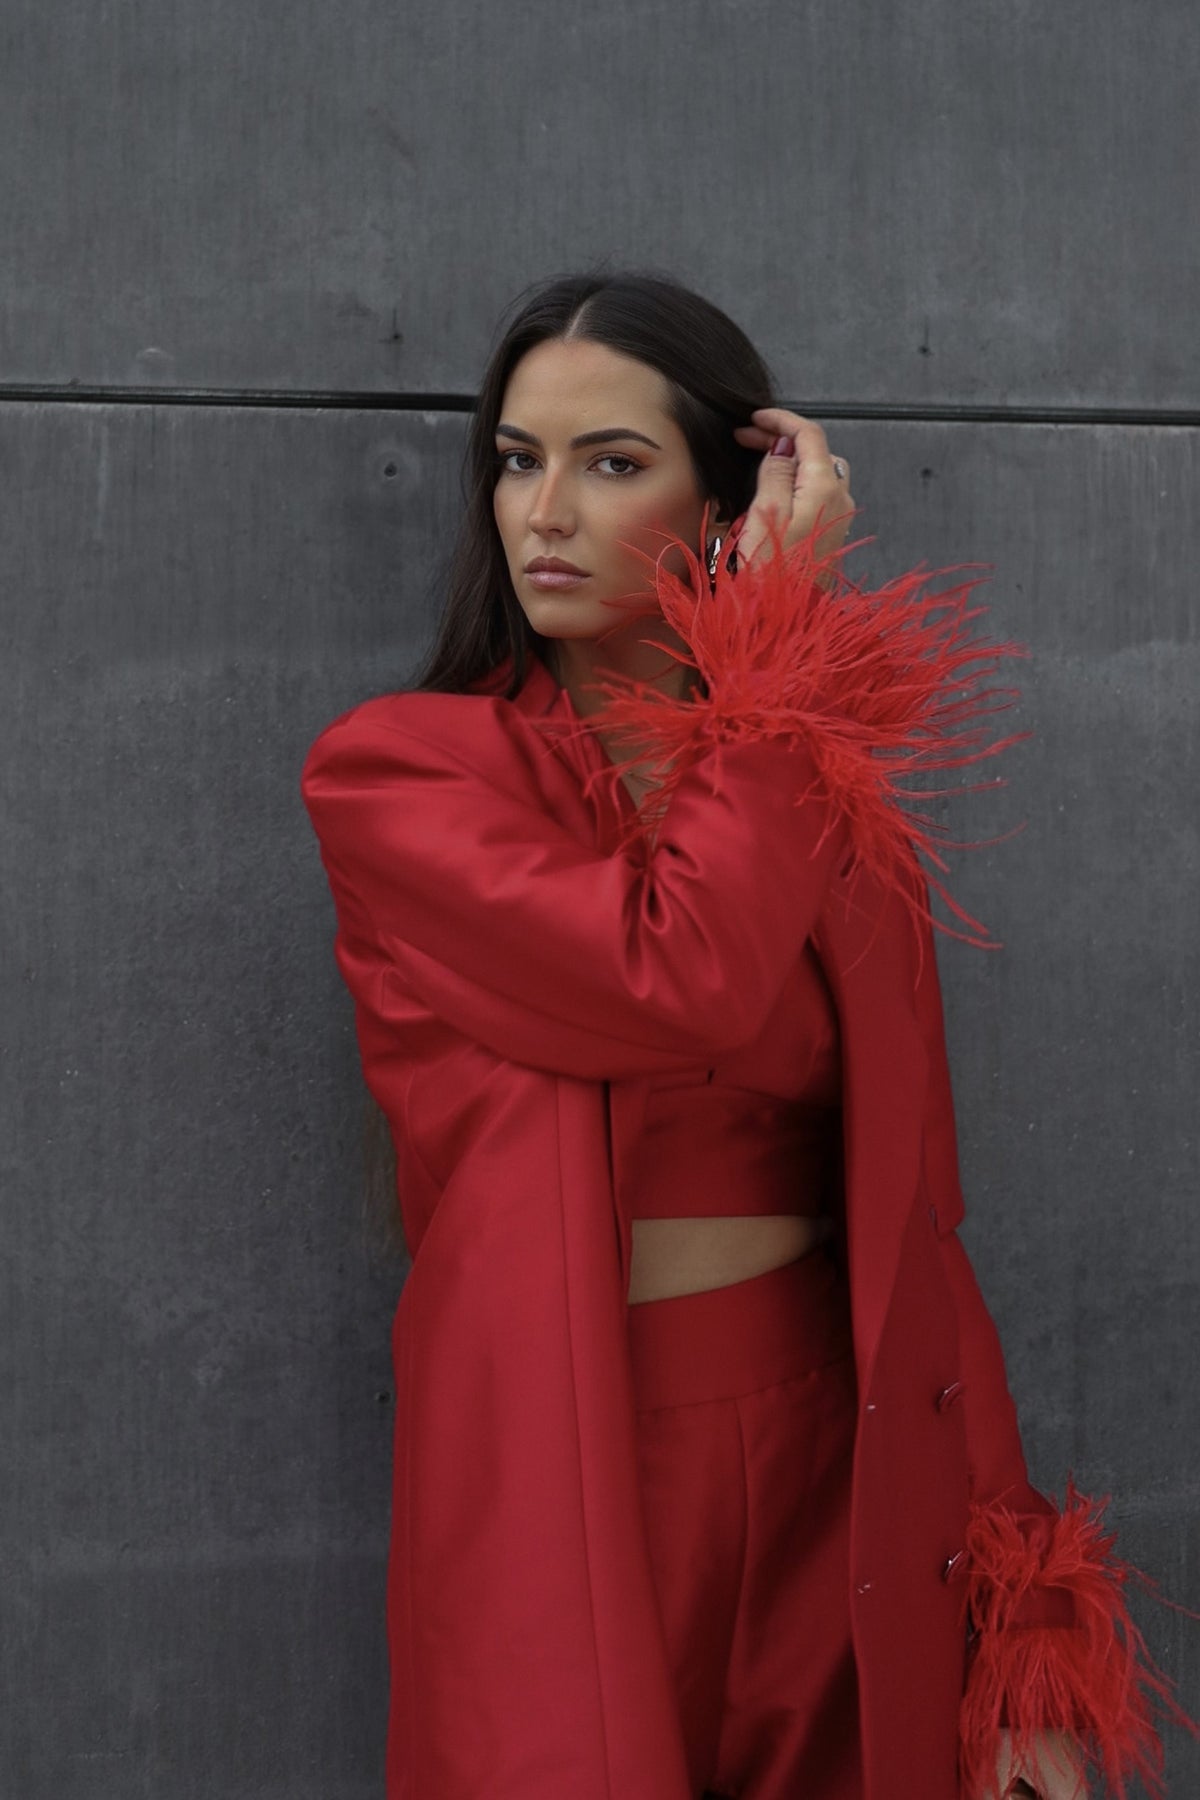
<point>518,984</point>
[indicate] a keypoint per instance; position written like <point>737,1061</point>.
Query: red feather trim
<point>1095,1679</point>
<point>879,684</point>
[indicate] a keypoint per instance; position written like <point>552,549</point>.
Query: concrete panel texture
<point>911,209</point>
<point>946,202</point>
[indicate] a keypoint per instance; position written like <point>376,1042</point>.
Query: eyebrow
<point>606,436</point>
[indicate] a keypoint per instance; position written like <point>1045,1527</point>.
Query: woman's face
<point>583,502</point>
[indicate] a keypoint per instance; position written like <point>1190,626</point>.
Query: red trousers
<point>746,1413</point>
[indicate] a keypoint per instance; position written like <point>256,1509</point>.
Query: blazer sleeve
<point>478,902</point>
<point>1052,1643</point>
<point>817,705</point>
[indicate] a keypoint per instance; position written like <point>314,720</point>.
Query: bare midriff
<point>689,1256</point>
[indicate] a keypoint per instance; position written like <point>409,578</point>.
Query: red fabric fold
<point>1095,1678</point>
<point>879,684</point>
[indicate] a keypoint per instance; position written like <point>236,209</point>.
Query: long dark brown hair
<point>715,380</point>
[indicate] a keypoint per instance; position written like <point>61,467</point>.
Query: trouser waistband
<point>750,1334</point>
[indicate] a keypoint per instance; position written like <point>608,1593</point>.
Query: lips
<point>552,565</point>
<point>552,575</point>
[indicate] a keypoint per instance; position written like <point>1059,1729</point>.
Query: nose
<point>552,510</point>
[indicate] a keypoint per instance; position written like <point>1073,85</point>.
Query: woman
<point>707,1477</point>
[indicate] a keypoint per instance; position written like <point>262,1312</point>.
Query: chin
<point>554,617</point>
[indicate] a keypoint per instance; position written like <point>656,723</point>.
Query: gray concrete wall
<point>956,201</point>
<point>321,210</point>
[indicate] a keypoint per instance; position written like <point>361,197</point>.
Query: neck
<point>578,663</point>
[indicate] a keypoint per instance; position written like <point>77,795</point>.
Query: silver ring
<point>839,468</point>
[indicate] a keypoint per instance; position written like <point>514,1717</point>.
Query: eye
<point>502,463</point>
<point>631,467</point>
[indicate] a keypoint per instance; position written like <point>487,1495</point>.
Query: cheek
<point>644,518</point>
<point>661,510</point>
<point>502,513</point>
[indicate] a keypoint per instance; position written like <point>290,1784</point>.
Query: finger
<point>811,442</point>
<point>772,417</point>
<point>754,437</point>
<point>776,483</point>
<point>814,459</point>
<point>812,446</point>
<point>774,497</point>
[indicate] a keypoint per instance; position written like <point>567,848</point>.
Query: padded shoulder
<point>436,716</point>
<point>481,737</point>
<point>466,728</point>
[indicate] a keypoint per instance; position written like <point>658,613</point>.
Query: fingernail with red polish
<point>782,447</point>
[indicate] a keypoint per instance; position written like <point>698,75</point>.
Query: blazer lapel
<point>866,945</point>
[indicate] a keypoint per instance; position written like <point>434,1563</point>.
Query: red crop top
<point>762,1131</point>
<point>761,1134</point>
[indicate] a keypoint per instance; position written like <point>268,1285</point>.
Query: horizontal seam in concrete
<point>361,400</point>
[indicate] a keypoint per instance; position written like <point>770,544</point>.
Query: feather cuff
<point>1094,1679</point>
<point>879,684</point>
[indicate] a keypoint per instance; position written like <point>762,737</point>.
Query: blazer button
<point>863,1587</point>
<point>955,1567</point>
<point>950,1394</point>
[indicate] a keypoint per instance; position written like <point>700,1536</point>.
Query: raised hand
<point>794,488</point>
<point>1051,1770</point>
